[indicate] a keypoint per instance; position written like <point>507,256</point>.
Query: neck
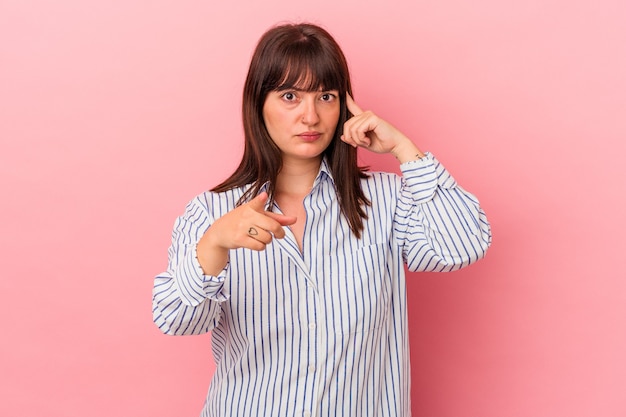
<point>297,177</point>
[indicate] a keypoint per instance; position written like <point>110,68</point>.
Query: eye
<point>328,97</point>
<point>289,96</point>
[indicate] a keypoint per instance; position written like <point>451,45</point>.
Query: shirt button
<point>312,326</point>
<point>311,368</point>
<point>307,414</point>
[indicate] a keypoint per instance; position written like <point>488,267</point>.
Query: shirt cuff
<point>195,286</point>
<point>213,285</point>
<point>422,177</point>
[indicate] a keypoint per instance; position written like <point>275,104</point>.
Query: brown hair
<point>307,57</point>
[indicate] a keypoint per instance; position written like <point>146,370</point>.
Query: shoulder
<point>213,204</point>
<point>378,178</point>
<point>381,183</point>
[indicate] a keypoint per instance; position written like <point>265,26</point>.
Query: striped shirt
<point>322,331</point>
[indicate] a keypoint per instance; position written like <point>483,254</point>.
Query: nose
<point>310,116</point>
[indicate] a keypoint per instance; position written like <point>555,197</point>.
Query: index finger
<point>273,223</point>
<point>281,218</point>
<point>352,106</point>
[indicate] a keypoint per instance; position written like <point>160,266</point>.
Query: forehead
<point>302,79</point>
<point>305,72</point>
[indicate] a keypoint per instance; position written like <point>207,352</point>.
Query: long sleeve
<point>184,300</point>
<point>317,331</point>
<point>440,226</point>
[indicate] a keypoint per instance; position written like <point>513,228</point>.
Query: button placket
<point>314,340</point>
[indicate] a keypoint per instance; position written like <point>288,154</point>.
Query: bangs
<point>307,67</point>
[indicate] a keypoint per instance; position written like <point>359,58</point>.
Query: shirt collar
<point>323,175</point>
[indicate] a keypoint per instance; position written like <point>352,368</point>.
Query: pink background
<point>114,114</point>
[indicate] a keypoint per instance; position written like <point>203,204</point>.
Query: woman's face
<point>301,123</point>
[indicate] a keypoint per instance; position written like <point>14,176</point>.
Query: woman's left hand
<point>369,131</point>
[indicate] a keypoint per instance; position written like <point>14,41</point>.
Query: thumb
<point>258,202</point>
<point>281,218</point>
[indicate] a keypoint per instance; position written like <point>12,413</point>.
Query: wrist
<point>211,256</point>
<point>407,151</point>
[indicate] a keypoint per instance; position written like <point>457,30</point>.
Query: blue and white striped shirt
<point>322,332</point>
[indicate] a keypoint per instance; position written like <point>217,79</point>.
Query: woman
<point>295,263</point>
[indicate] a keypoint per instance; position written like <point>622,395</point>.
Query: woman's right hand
<point>248,226</point>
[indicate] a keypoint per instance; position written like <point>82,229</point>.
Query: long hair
<point>307,57</point>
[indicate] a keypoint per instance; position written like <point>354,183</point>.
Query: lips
<point>310,136</point>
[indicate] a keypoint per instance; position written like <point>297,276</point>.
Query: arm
<point>186,298</point>
<point>439,226</point>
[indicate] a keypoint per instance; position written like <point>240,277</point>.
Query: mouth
<point>310,136</point>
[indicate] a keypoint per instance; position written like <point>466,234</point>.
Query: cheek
<point>273,114</point>
<point>269,118</point>
<point>333,117</point>
<point>275,123</point>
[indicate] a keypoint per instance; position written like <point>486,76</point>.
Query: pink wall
<point>114,114</point>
